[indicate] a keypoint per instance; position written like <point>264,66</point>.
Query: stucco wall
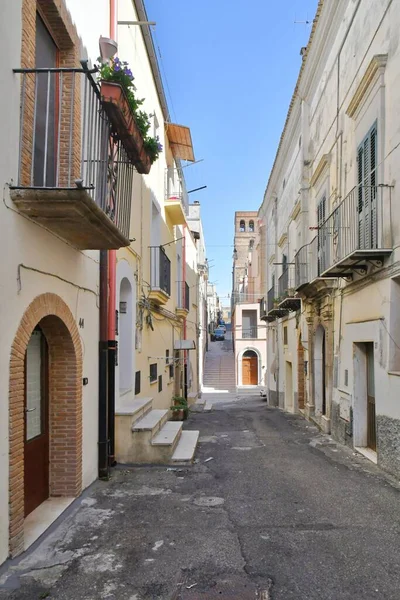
<point>36,260</point>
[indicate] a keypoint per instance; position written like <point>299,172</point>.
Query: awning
<point>180,141</point>
<point>184,345</point>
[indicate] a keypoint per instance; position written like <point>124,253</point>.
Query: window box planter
<point>118,111</point>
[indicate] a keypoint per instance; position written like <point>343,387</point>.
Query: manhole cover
<point>209,501</point>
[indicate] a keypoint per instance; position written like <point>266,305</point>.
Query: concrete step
<point>152,421</point>
<point>184,452</point>
<point>168,435</point>
<point>135,408</point>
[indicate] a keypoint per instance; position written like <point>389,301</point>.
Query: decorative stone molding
<point>375,69</point>
<point>282,240</point>
<point>296,210</point>
<point>321,167</point>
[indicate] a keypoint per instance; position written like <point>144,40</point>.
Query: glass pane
<point>34,386</point>
<point>45,127</point>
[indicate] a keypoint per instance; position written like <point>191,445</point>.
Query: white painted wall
<point>25,243</point>
<point>259,345</point>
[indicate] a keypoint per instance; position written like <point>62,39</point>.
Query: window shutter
<point>373,166</point>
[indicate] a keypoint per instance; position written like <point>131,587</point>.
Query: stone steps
<point>145,435</point>
<point>184,452</point>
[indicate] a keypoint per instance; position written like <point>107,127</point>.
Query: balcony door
<point>46,91</point>
<point>367,210</point>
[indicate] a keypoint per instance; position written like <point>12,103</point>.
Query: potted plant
<point>179,408</point>
<point>118,95</point>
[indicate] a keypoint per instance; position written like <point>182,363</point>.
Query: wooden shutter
<point>367,210</point>
<point>373,179</point>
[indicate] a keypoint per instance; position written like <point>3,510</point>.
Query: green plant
<point>180,403</point>
<point>119,72</point>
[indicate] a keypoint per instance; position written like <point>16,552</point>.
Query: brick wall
<point>58,21</point>
<point>65,406</point>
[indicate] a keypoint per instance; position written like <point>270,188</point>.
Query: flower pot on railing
<point>116,105</point>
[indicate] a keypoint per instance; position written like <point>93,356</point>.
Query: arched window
<point>251,226</point>
<point>242,226</point>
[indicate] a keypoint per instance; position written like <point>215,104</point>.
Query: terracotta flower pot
<point>116,105</point>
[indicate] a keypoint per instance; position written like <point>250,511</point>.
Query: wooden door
<point>371,417</point>
<point>250,370</point>
<point>36,447</point>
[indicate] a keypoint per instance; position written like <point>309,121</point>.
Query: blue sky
<point>229,71</point>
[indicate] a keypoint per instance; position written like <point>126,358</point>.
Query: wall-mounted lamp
<point>235,254</point>
<point>108,48</point>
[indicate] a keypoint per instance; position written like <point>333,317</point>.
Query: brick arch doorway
<point>46,347</point>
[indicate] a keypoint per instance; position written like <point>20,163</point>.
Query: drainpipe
<point>185,352</point>
<point>103,368</point>
<point>112,261</point>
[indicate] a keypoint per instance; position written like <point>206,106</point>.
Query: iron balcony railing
<point>263,308</point>
<point>175,188</point>
<point>187,296</point>
<point>271,298</point>
<point>160,270</point>
<point>183,299</point>
<point>353,225</point>
<point>249,333</point>
<point>283,284</point>
<point>306,264</point>
<point>67,142</point>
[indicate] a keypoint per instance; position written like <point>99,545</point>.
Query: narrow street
<point>219,373</point>
<point>271,509</point>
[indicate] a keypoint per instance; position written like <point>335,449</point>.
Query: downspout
<point>103,466</point>
<point>112,262</point>
<point>185,352</point>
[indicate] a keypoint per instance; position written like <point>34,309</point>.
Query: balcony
<point>249,333</point>
<point>273,310</point>
<point>287,297</point>
<point>306,265</point>
<point>263,309</point>
<point>183,303</point>
<point>174,210</point>
<point>176,198</point>
<point>351,238</point>
<point>160,275</point>
<point>74,176</point>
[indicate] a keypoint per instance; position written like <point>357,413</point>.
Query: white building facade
<point>331,294</point>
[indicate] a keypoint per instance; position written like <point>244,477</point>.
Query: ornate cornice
<point>375,69</point>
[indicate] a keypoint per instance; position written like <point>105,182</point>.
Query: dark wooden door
<point>250,370</point>
<point>36,448</point>
<point>371,417</point>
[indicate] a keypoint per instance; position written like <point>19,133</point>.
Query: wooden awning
<point>180,141</point>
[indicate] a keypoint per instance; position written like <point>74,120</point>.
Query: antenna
<point>305,22</point>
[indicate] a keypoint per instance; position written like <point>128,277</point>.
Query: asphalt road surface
<point>272,510</point>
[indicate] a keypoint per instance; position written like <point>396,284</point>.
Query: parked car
<point>219,334</point>
<point>222,326</point>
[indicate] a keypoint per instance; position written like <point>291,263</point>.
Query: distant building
<point>248,331</point>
